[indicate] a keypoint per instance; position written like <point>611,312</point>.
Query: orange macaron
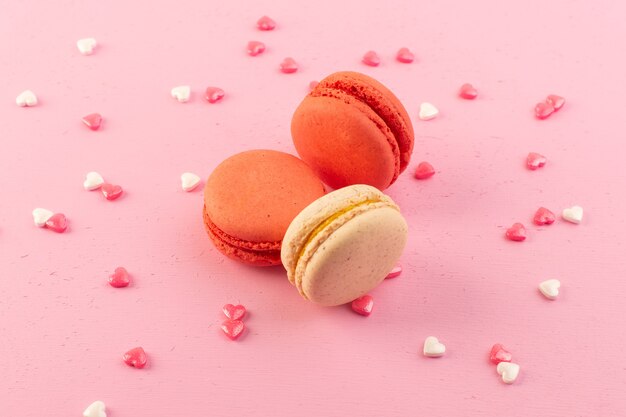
<point>251,198</point>
<point>351,129</point>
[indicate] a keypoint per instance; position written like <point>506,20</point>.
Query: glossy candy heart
<point>136,357</point>
<point>234,312</point>
<point>468,92</point>
<point>543,216</point>
<point>535,160</point>
<point>509,371</point>
<point>424,170</point>
<point>266,23</point>
<point>556,101</point>
<point>573,214</point>
<point>57,223</point>
<point>189,181</point>
<point>213,94</point>
<point>428,111</point>
<point>26,99</point>
<point>255,48</point>
<point>95,409</point>
<point>543,110</point>
<point>517,232</point>
<point>119,278</point>
<point>395,272</point>
<point>111,191</point>
<point>41,216</point>
<point>550,288</point>
<point>371,58</point>
<point>181,93</point>
<point>288,66</point>
<point>233,328</point>
<point>93,181</point>
<point>433,348</point>
<point>363,305</point>
<point>86,46</point>
<point>93,121</point>
<point>405,56</point>
<point>499,354</point>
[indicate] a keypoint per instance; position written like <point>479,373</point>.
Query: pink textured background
<point>63,329</point>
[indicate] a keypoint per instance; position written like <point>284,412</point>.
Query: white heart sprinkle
<point>26,99</point>
<point>433,348</point>
<point>550,288</point>
<point>93,181</point>
<point>189,181</point>
<point>95,409</point>
<point>428,111</point>
<point>41,216</point>
<point>86,45</point>
<point>181,93</point>
<point>573,214</point>
<point>509,371</point>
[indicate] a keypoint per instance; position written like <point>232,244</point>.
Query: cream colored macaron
<point>343,244</point>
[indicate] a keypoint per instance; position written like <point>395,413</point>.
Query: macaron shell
<point>253,196</point>
<point>342,141</point>
<point>253,253</point>
<point>319,211</point>
<point>355,258</point>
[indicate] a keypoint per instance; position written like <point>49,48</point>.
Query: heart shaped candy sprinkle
<point>111,191</point>
<point>424,170</point>
<point>255,48</point>
<point>57,223</point>
<point>119,278</point>
<point>550,288</point>
<point>288,66</point>
<point>535,160</point>
<point>234,312</point>
<point>516,233</point>
<point>233,328</point>
<point>543,216</point>
<point>363,305</point>
<point>181,93</point>
<point>26,99</point>
<point>136,357</point>
<point>41,216</point>
<point>265,23</point>
<point>189,181</point>
<point>543,110</point>
<point>428,111</point>
<point>433,348</point>
<point>95,409</point>
<point>86,46</point>
<point>213,94</point>
<point>405,56</point>
<point>499,354</point>
<point>395,272</point>
<point>556,101</point>
<point>573,214</point>
<point>93,181</point>
<point>509,371</point>
<point>371,58</point>
<point>93,121</point>
<point>468,92</point>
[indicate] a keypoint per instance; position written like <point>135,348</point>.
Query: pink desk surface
<point>63,329</point>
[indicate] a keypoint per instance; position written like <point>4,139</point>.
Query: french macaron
<point>351,129</point>
<point>343,244</point>
<point>251,198</point>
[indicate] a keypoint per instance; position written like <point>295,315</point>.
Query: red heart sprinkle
<point>499,354</point>
<point>57,223</point>
<point>543,110</point>
<point>535,160</point>
<point>517,232</point>
<point>371,58</point>
<point>265,23</point>
<point>396,271</point>
<point>405,56</point>
<point>234,312</point>
<point>136,357</point>
<point>111,191</point>
<point>556,101</point>
<point>424,170</point>
<point>255,48</point>
<point>119,278</point>
<point>363,305</point>
<point>544,216</point>
<point>288,66</point>
<point>213,94</point>
<point>93,121</point>
<point>468,92</point>
<point>233,328</point>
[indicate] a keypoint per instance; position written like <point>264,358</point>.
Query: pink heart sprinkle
<point>213,94</point>
<point>543,110</point>
<point>234,312</point>
<point>288,66</point>
<point>405,56</point>
<point>265,23</point>
<point>396,271</point>
<point>313,84</point>
<point>516,233</point>
<point>424,170</point>
<point>57,223</point>
<point>111,191</point>
<point>93,121</point>
<point>468,92</point>
<point>255,48</point>
<point>233,328</point>
<point>499,354</point>
<point>556,101</point>
<point>136,357</point>
<point>535,160</point>
<point>371,58</point>
<point>544,216</point>
<point>119,278</point>
<point>363,305</point>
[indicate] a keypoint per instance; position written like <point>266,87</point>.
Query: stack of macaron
<point>264,207</point>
